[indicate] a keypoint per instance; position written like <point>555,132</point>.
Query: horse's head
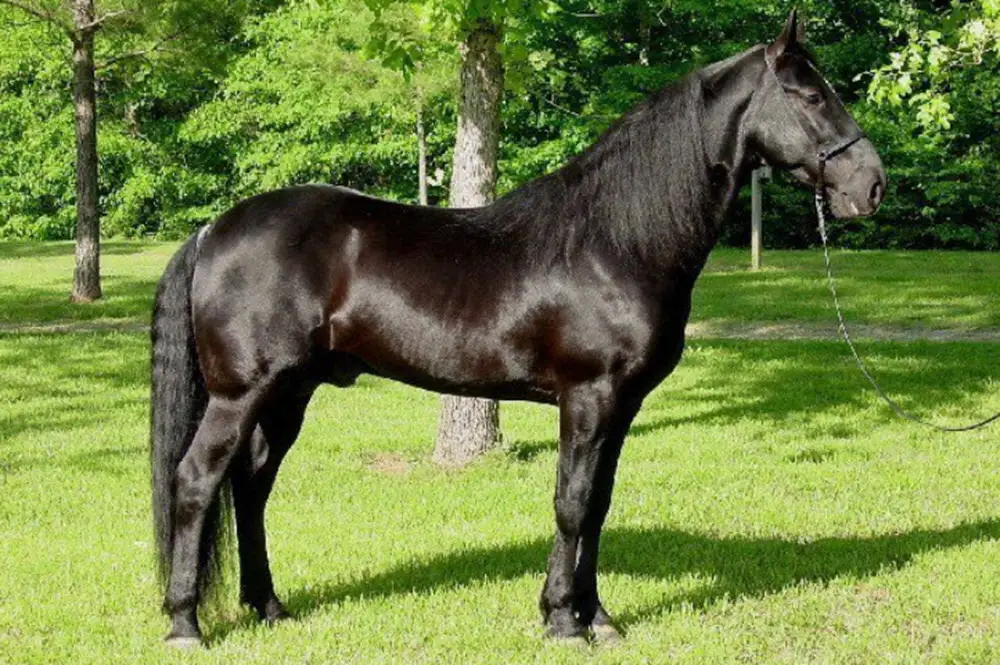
<point>799,124</point>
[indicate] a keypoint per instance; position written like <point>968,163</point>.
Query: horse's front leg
<point>588,453</point>
<point>587,604</point>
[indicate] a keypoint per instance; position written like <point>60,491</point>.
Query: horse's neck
<point>726,91</point>
<point>653,192</point>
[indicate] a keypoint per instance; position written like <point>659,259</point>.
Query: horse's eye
<point>813,98</point>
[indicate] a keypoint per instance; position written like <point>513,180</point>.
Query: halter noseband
<point>826,152</point>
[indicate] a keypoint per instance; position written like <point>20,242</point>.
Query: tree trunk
<point>87,276</point>
<point>469,427</point>
<point>421,152</point>
<point>644,33</point>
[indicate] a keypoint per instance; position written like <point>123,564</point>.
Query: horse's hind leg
<point>253,476</point>
<point>224,429</point>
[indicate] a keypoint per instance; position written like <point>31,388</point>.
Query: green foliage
<point>155,62</point>
<point>306,103</point>
<point>935,104</point>
<point>234,98</point>
<point>36,130</point>
<point>938,49</point>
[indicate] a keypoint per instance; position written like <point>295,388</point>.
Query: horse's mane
<point>639,190</point>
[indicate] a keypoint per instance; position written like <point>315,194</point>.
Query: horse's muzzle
<point>857,192</point>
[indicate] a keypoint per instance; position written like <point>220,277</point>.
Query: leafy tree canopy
<point>203,102</point>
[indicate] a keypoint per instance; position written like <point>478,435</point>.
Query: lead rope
<point>900,411</point>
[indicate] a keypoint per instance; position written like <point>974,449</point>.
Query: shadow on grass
<point>737,567</point>
<point>117,462</point>
<point>777,381</point>
<point>66,381</point>
<point>887,285</point>
<point>18,249</point>
<point>124,298</point>
<point>728,382</point>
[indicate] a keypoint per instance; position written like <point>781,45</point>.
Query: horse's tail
<point>178,403</point>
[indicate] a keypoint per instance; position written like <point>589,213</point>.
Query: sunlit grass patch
<point>929,289</point>
<point>36,279</point>
<point>768,509</point>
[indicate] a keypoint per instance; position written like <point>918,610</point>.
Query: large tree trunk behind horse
<point>468,427</point>
<point>421,150</point>
<point>87,276</point>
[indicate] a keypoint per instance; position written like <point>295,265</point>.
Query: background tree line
<point>134,118</point>
<point>203,102</point>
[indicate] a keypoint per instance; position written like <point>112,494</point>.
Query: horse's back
<point>292,273</point>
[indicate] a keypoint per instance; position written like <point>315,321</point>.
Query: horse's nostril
<point>875,196</point>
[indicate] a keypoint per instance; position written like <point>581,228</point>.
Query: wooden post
<point>756,210</point>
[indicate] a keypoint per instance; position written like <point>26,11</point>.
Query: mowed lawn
<point>768,508</point>
<point>919,290</point>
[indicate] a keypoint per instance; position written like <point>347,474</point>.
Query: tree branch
<point>574,113</point>
<point>155,48</point>
<point>42,15</point>
<point>37,13</point>
<point>98,22</point>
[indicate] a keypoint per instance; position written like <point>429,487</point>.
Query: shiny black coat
<point>573,290</point>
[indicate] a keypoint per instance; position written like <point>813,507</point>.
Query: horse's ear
<point>793,34</point>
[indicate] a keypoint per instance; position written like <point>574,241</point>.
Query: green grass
<point>930,290</point>
<point>768,508</point>
<point>35,281</point>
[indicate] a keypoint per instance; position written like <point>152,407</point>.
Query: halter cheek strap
<point>827,150</point>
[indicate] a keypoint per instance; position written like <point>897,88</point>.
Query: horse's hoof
<point>566,630</point>
<point>275,618</point>
<point>273,612</point>
<point>183,643</point>
<point>607,634</point>
<point>571,642</point>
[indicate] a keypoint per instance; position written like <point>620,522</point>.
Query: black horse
<point>573,290</point>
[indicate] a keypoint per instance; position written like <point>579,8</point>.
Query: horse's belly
<point>436,354</point>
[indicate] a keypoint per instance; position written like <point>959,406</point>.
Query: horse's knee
<point>572,503</point>
<point>205,463</point>
<point>570,513</point>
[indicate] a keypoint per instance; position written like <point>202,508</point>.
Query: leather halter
<point>827,149</point>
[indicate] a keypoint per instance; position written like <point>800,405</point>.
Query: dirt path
<point>698,330</point>
<point>829,331</point>
<point>72,327</point>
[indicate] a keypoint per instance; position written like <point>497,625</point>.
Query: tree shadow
<point>880,285</point>
<point>58,379</point>
<point>776,381</point>
<point>734,567</point>
<point>125,298</point>
<point>118,462</point>
<point>18,249</point>
<point>526,451</point>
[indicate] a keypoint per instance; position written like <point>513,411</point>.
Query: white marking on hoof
<point>183,643</point>
<point>574,642</point>
<point>606,634</point>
